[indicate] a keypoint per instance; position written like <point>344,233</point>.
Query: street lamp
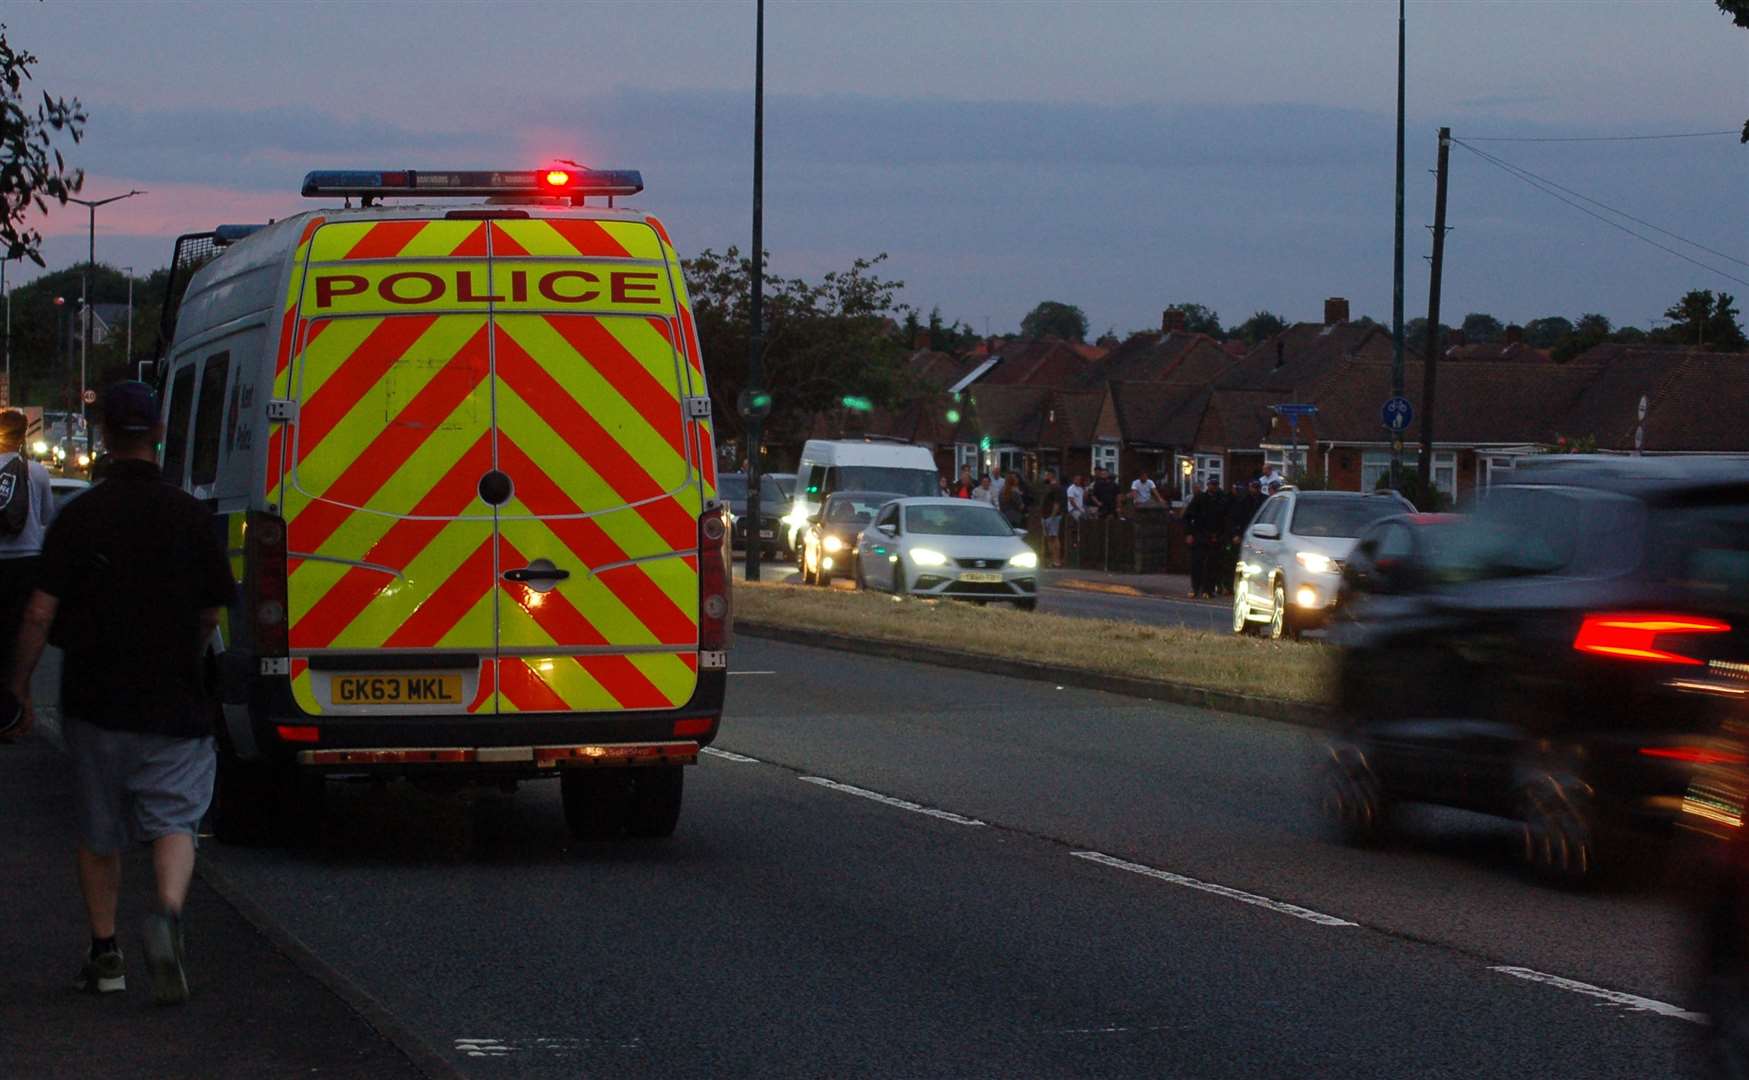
<point>84,295</point>
<point>130,273</point>
<point>8,292</point>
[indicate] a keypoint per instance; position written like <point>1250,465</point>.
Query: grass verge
<point>1284,670</point>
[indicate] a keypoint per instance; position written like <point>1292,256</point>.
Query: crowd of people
<point>1214,519</point>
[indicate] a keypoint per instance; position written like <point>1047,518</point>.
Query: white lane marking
<point>1631,1002</point>
<point>729,755</point>
<point>889,800</point>
<point>753,673</point>
<point>1209,887</point>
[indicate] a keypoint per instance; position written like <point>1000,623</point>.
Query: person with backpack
<point>26,504</point>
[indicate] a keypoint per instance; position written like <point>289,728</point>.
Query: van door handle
<point>537,573</point>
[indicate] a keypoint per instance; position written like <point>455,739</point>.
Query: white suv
<point>1290,565</point>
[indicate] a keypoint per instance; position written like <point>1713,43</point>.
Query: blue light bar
<point>562,181</point>
<point>230,234</point>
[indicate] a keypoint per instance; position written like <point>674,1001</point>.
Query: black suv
<point>1566,657</point>
<point>774,502</point>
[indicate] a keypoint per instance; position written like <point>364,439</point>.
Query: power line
<point>1613,210</point>
<point>1540,185</point>
<point>1596,138</point>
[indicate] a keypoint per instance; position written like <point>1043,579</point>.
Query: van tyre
<point>598,801</point>
<point>245,807</point>
<point>656,798</point>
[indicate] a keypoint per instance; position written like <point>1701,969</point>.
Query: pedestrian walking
<point>26,504</point>
<point>1204,522</point>
<point>132,577</point>
<point>1051,518</point>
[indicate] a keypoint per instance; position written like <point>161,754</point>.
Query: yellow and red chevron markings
<point>401,414</point>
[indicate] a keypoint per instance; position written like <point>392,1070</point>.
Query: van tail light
<point>1695,755</point>
<point>1636,635</point>
<point>713,580</point>
<point>264,585</point>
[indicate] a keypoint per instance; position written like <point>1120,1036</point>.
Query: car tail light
<point>1635,636</point>
<point>1695,755</point>
<point>264,585</point>
<point>713,581</point>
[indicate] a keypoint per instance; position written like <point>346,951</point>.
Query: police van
<point>459,439</point>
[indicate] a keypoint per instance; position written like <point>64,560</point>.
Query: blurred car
<point>830,540</point>
<point>1569,659</point>
<point>947,548</point>
<point>1394,554</point>
<point>1290,562</point>
<point>774,501</point>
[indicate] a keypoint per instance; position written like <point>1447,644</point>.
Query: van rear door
<point>391,552</point>
<point>597,541</point>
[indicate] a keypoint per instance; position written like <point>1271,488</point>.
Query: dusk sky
<point>1117,156</point>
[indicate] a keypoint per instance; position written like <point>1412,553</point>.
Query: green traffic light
<point>953,416</point>
<point>859,404</point>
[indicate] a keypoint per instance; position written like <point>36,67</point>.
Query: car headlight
<point>927,557</point>
<point>797,517</point>
<point>1316,563</point>
<point>1026,560</point>
<point>832,543</point>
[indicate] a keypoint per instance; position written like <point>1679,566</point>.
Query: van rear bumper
<point>283,733</point>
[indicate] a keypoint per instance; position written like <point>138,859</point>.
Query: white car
<point>949,548</point>
<point>1289,576</point>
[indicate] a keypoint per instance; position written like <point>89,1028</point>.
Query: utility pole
<point>8,292</point>
<point>756,313</point>
<point>130,273</point>
<point>1430,372</point>
<point>1397,269</point>
<point>85,296</point>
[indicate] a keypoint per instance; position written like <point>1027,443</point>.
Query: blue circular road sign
<point>1398,413</point>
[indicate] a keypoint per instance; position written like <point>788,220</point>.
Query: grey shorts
<point>1053,524</point>
<point>132,788</point>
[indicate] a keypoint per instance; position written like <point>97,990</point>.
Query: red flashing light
<point>1634,636</point>
<point>300,733</point>
<point>556,177</point>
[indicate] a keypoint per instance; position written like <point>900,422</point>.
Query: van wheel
<point>245,807</point>
<point>656,796</point>
<point>256,804</point>
<point>598,801</point>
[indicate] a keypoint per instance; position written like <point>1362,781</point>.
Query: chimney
<point>924,342</point>
<point>1279,360</point>
<point>1335,310</point>
<point>1171,319</point>
<point>1515,334</point>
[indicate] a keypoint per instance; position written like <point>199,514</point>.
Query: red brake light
<point>1634,636</point>
<point>264,582</point>
<point>1694,755</point>
<point>556,177</point>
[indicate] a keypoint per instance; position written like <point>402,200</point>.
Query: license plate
<point>765,534</point>
<point>981,579</point>
<point>396,689</point>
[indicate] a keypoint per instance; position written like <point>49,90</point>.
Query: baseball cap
<point>130,406</point>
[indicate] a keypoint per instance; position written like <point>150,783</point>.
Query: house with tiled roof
<point>1295,359</point>
<point>1174,354</point>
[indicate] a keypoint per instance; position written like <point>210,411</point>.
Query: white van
<point>871,463</point>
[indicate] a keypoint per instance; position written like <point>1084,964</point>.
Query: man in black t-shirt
<point>132,577</point>
<point>1105,491</point>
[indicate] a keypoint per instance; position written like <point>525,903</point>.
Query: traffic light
<point>953,416</point>
<point>984,444</point>
<point>857,404</point>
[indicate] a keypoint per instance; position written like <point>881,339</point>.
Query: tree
<point>1547,332</point>
<point>1738,10</point>
<point>1480,328</point>
<point>1702,320</point>
<point>1053,318</point>
<point>823,342</point>
<point>1591,324</point>
<point>951,338</point>
<point>1415,334</point>
<point>1199,319</point>
<point>28,176</point>
<point>1261,326</point>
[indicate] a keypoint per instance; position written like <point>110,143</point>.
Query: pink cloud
<point>166,209</point>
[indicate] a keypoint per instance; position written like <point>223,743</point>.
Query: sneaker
<point>102,973</point>
<point>162,940</point>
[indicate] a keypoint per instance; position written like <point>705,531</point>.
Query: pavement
<point>260,1007</point>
